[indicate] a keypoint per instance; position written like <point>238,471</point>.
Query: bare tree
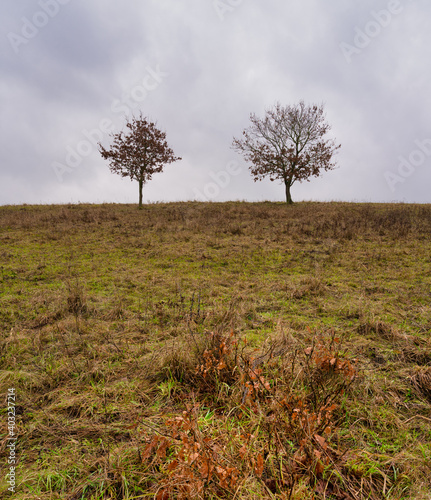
<point>287,144</point>
<point>140,153</point>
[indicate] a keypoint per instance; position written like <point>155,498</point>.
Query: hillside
<point>216,350</point>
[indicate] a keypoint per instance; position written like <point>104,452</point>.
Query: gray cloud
<point>199,68</point>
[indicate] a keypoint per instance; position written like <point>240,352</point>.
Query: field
<point>216,350</point>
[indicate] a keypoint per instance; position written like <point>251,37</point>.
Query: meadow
<point>217,350</point>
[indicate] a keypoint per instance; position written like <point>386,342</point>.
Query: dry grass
<point>115,334</point>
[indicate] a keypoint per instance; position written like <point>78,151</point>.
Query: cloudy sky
<point>72,70</point>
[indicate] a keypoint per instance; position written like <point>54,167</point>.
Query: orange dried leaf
<point>149,448</point>
<point>243,451</point>
<point>321,440</point>
<point>205,468</point>
<point>161,452</point>
<point>319,467</point>
<point>163,495</point>
<point>173,465</point>
<point>259,465</point>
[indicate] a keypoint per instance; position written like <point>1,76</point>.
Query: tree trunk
<point>289,200</point>
<point>141,184</point>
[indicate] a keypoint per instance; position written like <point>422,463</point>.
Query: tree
<point>140,153</point>
<point>287,144</point>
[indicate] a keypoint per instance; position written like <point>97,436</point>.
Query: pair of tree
<point>287,144</point>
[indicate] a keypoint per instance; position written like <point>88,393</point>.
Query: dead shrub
<point>286,402</point>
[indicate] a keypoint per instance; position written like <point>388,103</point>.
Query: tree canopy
<point>140,153</point>
<point>288,144</point>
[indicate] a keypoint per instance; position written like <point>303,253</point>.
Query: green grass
<point>101,306</point>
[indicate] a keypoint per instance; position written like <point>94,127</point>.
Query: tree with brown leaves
<point>140,153</point>
<point>287,144</point>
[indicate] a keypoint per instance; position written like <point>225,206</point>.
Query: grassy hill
<point>205,350</point>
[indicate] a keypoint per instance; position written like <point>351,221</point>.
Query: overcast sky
<point>72,70</point>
